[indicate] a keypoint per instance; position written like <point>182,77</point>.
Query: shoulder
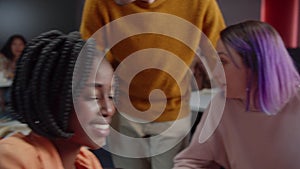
<point>294,102</point>
<point>2,57</point>
<point>297,96</point>
<point>3,61</point>
<point>15,152</point>
<point>16,140</point>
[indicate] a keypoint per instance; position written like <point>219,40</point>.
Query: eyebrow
<point>222,53</point>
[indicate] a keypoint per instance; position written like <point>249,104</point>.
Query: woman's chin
<point>97,143</point>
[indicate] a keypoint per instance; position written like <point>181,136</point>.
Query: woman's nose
<point>107,108</point>
<point>219,75</point>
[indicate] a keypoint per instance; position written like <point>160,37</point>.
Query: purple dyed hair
<point>264,52</point>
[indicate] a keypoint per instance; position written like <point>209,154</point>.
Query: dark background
<point>32,17</point>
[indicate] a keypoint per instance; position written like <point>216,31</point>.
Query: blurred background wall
<point>31,17</point>
<point>235,11</point>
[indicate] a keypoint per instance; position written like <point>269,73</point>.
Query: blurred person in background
<point>11,52</point>
<point>9,55</point>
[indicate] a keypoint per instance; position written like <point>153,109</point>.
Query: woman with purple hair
<point>259,127</point>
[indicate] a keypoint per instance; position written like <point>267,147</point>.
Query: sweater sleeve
<point>91,18</point>
<point>213,22</point>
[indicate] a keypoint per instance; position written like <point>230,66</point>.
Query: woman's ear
<point>252,78</point>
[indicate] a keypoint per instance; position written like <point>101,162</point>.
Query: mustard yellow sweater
<point>167,74</point>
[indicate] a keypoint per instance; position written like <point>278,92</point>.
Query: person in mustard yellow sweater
<point>151,45</point>
<point>64,100</point>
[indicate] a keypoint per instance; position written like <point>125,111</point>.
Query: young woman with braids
<point>65,99</point>
<point>259,127</point>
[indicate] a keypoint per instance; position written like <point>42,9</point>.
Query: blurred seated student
<point>65,99</point>
<point>11,52</point>
<point>9,55</point>
<point>259,127</point>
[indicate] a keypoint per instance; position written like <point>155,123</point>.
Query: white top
<point>4,82</point>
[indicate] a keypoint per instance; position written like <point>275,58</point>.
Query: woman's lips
<point>101,126</point>
<point>101,130</point>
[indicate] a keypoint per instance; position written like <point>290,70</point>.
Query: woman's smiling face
<point>94,108</point>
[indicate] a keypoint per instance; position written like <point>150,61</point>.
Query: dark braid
<point>23,73</point>
<point>42,88</point>
<point>64,107</point>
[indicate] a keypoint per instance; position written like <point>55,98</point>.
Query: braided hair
<point>42,88</point>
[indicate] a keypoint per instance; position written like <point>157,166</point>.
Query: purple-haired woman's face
<point>235,72</point>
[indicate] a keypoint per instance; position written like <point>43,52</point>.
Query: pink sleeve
<point>196,155</point>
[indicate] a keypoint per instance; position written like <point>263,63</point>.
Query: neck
<point>251,101</point>
<point>67,151</point>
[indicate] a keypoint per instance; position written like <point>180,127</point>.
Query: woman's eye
<point>93,98</point>
<point>111,97</point>
<point>223,61</point>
